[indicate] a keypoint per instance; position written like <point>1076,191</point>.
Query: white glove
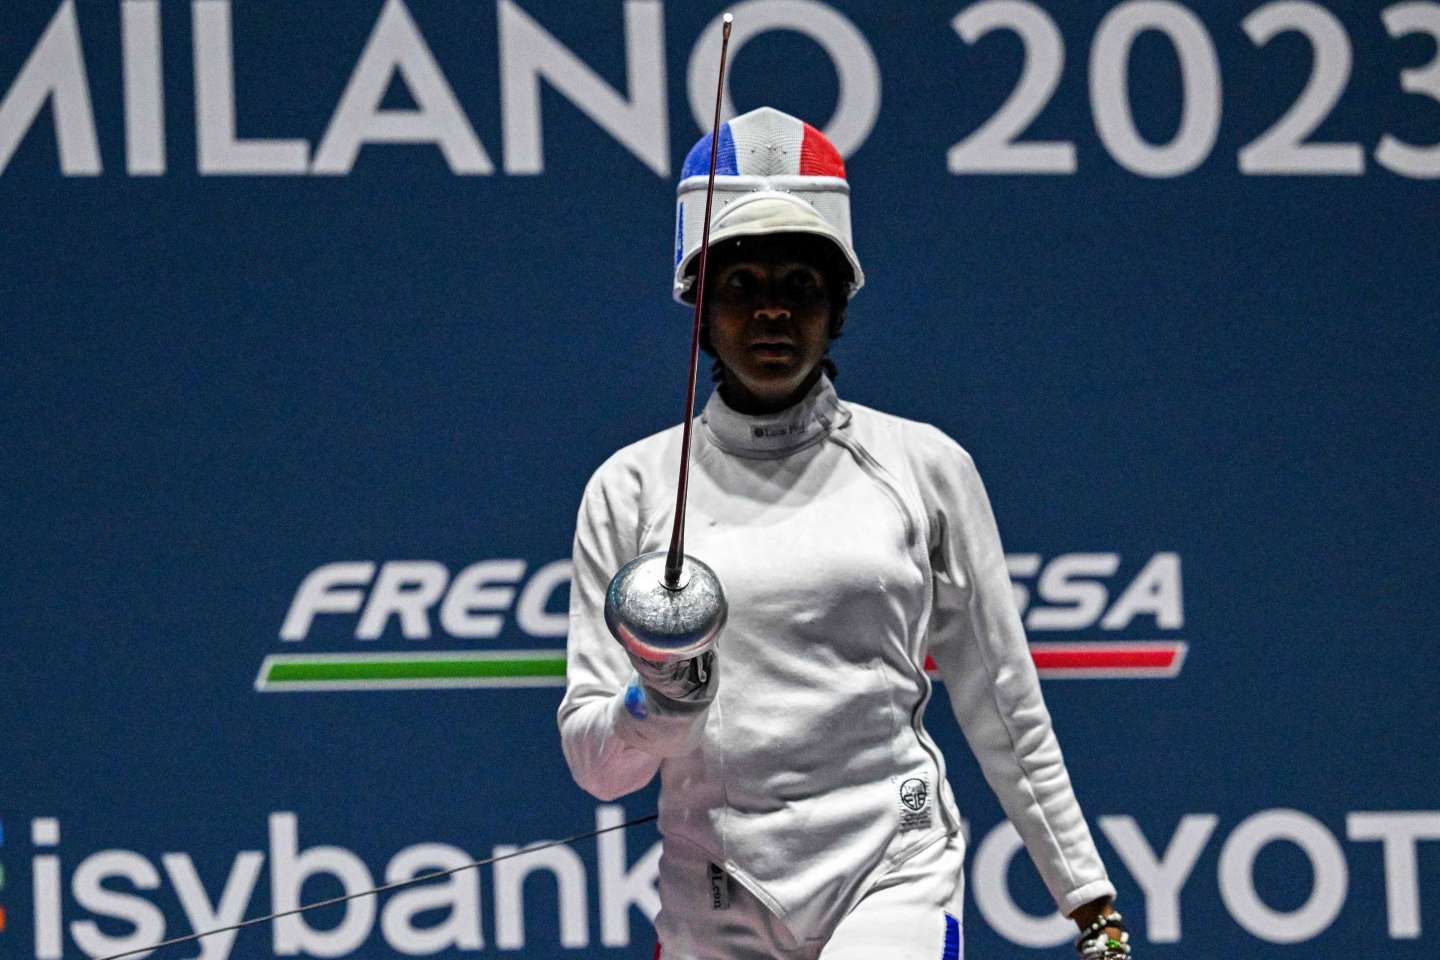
<point>665,705</point>
<point>692,680</point>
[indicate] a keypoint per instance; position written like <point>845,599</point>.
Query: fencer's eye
<point>740,283</point>
<point>803,286</point>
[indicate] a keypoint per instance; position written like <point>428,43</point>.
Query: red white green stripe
<point>1132,659</point>
<point>411,671</point>
<point>464,669</point>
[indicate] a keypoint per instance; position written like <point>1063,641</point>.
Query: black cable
<point>378,890</point>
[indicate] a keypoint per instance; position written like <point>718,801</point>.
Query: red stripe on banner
<point>1103,659</point>
<point>1120,659</point>
<point>818,156</point>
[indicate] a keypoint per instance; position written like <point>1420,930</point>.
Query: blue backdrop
<point>273,387</point>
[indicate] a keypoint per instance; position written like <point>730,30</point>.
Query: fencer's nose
<point>772,311</point>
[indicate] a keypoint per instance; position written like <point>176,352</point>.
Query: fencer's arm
<point>602,762</point>
<point>979,645</point>
<point>613,730</point>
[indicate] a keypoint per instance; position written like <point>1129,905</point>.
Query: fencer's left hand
<point>1085,914</point>
<point>1099,945</point>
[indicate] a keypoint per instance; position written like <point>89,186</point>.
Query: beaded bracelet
<point>1111,919</point>
<point>1104,947</point>
<point>1095,944</point>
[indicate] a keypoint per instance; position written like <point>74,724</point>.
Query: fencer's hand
<point>1102,931</point>
<point>692,680</point>
<point>665,705</point>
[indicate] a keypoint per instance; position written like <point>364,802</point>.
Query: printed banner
<point>317,317</point>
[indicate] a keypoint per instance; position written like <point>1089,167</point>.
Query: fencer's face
<point>769,324</point>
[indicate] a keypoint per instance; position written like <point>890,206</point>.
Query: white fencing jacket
<point>850,543</point>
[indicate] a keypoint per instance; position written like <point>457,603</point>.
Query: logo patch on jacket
<point>914,804</point>
<point>719,887</point>
<point>783,430</point>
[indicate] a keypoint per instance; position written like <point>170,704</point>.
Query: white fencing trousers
<point>912,913</point>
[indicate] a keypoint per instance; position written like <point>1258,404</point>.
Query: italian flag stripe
<point>1126,659</point>
<point>401,671</point>
<point>546,668</point>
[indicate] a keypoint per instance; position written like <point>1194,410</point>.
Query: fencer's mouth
<point>773,351</point>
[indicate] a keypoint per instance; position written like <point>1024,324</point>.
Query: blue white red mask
<point>774,174</point>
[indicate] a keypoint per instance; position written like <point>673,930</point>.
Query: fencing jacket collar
<point>772,435</point>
